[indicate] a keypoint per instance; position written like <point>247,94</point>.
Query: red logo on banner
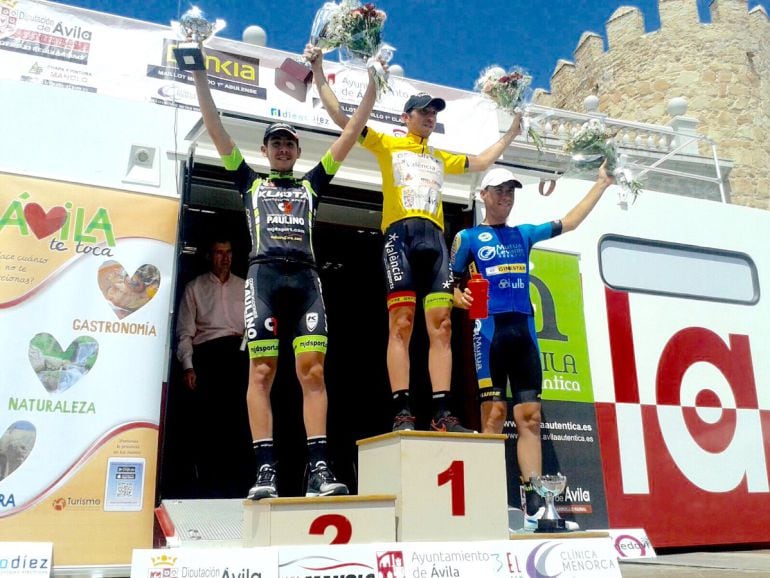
<point>42,223</point>
<point>683,465</point>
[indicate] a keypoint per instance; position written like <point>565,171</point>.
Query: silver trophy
<point>193,28</point>
<point>294,75</point>
<point>550,486</point>
<point>319,30</point>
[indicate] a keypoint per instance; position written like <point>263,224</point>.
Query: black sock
<point>441,404</point>
<point>316,450</point>
<point>532,500</point>
<point>401,401</point>
<point>263,450</point>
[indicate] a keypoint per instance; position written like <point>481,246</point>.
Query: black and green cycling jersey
<point>281,208</point>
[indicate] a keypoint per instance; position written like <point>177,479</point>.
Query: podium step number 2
<point>330,520</point>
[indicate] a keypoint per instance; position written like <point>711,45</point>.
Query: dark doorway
<point>349,262</point>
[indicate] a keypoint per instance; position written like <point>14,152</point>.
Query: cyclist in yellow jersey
<point>282,285</point>
<point>415,255</point>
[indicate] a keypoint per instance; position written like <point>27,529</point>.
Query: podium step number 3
<point>448,486</point>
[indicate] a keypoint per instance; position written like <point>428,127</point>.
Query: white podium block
<point>316,521</point>
<point>448,486</point>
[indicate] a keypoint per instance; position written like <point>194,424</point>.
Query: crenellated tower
<point>722,68</point>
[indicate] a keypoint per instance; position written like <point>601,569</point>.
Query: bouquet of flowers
<point>351,25</point>
<point>508,90</point>
<point>591,146</point>
<point>357,29</point>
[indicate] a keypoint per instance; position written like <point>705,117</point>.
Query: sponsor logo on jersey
<point>250,310</point>
<point>282,193</point>
<point>507,268</point>
<point>487,253</point>
<point>285,220</point>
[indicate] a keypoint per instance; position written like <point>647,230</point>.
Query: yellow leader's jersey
<point>412,175</point>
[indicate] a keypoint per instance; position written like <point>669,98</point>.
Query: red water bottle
<point>480,292</point>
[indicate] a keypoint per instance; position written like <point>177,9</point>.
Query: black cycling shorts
<point>278,293</point>
<point>416,261</point>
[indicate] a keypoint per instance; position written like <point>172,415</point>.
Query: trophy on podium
<point>194,29</point>
<point>294,75</point>
<point>550,486</point>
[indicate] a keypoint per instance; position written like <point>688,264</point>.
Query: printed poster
<point>535,558</point>
<point>69,48</point>
<point>557,297</point>
<point>205,563</point>
<point>85,290</point>
<point>25,559</point>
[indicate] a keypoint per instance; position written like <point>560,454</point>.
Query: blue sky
<point>442,41</point>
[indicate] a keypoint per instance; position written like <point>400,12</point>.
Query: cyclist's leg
<point>262,342</point>
<point>491,375</point>
<point>263,350</point>
<point>439,325</point>
<point>310,351</point>
<point>528,379</point>
<point>438,307</point>
<point>401,304</point>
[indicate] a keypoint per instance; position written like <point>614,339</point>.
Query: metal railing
<point>655,153</point>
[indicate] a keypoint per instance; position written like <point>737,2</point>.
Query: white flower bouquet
<point>509,91</point>
<point>593,145</point>
<point>356,30</point>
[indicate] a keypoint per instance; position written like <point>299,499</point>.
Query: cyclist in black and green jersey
<point>282,285</point>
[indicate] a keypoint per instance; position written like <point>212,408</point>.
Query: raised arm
<point>222,141</point>
<point>352,130</point>
<point>580,211</point>
<point>328,98</point>
<point>486,159</point>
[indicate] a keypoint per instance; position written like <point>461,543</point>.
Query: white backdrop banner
<point>70,48</point>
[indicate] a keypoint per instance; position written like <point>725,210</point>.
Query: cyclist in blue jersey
<point>282,286</point>
<point>505,343</point>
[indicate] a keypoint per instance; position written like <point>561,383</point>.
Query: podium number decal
<point>340,523</point>
<point>454,475</point>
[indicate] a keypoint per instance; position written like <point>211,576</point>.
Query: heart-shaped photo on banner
<point>128,294</point>
<point>59,370</point>
<point>42,223</point>
<point>15,446</point>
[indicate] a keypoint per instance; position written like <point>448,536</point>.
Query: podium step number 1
<point>448,486</point>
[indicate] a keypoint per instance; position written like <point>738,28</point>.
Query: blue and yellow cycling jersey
<point>501,254</point>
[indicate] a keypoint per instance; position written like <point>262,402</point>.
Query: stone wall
<point>721,68</point>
